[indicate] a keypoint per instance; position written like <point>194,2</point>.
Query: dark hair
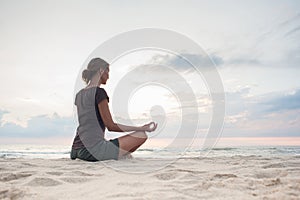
<point>94,65</point>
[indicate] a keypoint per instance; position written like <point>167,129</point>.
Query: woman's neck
<point>91,84</point>
<point>94,82</point>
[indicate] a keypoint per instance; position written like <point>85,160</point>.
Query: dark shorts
<point>103,150</point>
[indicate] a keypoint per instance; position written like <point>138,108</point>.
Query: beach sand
<point>237,177</point>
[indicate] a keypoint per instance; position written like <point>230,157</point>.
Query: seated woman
<point>94,117</point>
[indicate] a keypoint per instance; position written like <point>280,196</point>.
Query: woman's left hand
<point>149,127</point>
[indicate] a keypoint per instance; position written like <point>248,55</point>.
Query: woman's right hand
<point>149,127</point>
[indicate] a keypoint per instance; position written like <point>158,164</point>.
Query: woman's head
<point>97,69</point>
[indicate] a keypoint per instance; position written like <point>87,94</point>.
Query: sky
<point>254,44</point>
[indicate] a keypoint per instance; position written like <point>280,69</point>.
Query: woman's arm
<point>112,126</point>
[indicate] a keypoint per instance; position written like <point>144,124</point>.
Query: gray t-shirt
<point>91,127</point>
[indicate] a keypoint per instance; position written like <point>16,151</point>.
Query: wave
<point>54,152</point>
<point>34,154</point>
<point>224,149</point>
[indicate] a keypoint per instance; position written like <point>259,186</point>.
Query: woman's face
<point>104,75</point>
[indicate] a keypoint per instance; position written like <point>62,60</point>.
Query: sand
<point>237,177</point>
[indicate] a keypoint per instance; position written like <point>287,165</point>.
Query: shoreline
<point>57,152</point>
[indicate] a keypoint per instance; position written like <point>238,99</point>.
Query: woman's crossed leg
<point>131,142</point>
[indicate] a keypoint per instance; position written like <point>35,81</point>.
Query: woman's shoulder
<point>99,89</point>
<point>102,89</point>
<point>101,94</point>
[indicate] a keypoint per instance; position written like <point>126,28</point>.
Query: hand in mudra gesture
<point>149,127</point>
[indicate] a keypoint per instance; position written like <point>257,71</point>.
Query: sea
<point>63,151</point>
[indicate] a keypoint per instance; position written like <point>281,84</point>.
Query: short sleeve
<point>101,95</point>
<point>75,100</point>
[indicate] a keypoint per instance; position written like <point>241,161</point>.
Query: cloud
<point>243,61</point>
<point>265,115</point>
<point>275,46</point>
<point>270,48</point>
<point>260,106</point>
<point>281,30</point>
<point>280,46</point>
<point>2,112</point>
<point>292,31</point>
<point>284,102</point>
<point>237,101</point>
<point>42,126</point>
<point>184,60</point>
<point>272,114</point>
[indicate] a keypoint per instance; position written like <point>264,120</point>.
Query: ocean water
<point>60,151</point>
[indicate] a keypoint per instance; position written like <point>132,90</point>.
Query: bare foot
<point>127,156</point>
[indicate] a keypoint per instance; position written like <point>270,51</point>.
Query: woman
<point>94,117</point>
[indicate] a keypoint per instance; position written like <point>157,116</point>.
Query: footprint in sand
<point>55,173</point>
<point>224,176</point>
<point>11,194</point>
<point>74,180</point>
<point>266,173</point>
<point>43,182</point>
<point>78,173</point>
<point>272,182</point>
<point>166,176</point>
<point>274,165</point>
<point>4,177</point>
<point>28,164</point>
